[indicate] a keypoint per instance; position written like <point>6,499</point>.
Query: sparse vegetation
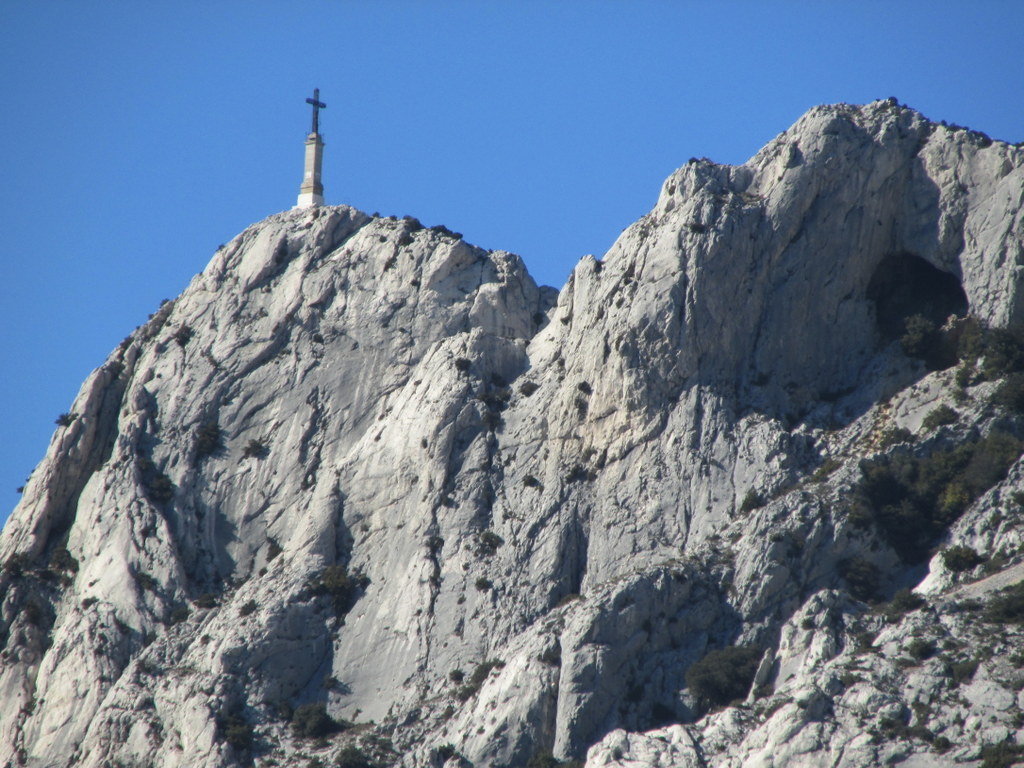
<point>352,756</point>
<point>1001,755</point>
<point>895,436</point>
<point>527,388</point>
<point>63,565</point>
<point>273,550</point>
<point>751,501</point>
<point>921,649</point>
<point>913,500</point>
<point>904,601</point>
<point>236,731</point>
<point>827,467</point>
<point>862,578</point>
<point>255,449</point>
<point>939,417</point>
<point>922,340</point>
<point>488,542</point>
<point>1010,394</point>
<point>311,721</point>
<point>961,672</point>
<point>480,674</point>
<point>544,759</point>
<point>247,608</point>
<point>206,600</point>
<point>183,335</point>
<point>484,584</point>
<point>960,558</point>
<point>209,440</point>
<point>65,419</point>
<point>445,752</point>
<point>1007,607</point>
<point>723,675</point>
<point>178,614</point>
<point>17,564</point>
<point>145,581</point>
<point>344,589</point>
<point>462,364</point>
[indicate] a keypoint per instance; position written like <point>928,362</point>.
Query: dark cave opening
<point>904,285</point>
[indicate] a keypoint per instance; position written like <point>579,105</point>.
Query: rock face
<point>363,470</point>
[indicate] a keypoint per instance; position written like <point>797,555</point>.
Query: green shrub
<point>483,584</point>
<point>445,752</point>
<point>545,759</point>
<point>862,578</point>
<point>920,337</point>
<point>206,600</point>
<point>527,388</point>
<point>895,436</point>
<point>311,721</point>
<point>939,417</point>
<point>751,501</point>
<point>17,564</point>
<point>247,608</point>
<point>208,439</point>
<point>921,648</point>
<point>183,335</point>
<point>904,601</point>
<point>480,674</point>
<point>1007,607</point>
<point>1001,755</point>
<point>236,731</point>
<point>61,561</point>
<point>1004,352</point>
<point>488,542</point>
<point>343,589</point>
<point>723,675</point>
<point>255,449</point>
<point>273,550</point>
<point>961,672</point>
<point>179,614</point>
<point>462,364</point>
<point>352,756</point>
<point>158,487</point>
<point>65,419</point>
<point>959,559</point>
<point>827,467</point>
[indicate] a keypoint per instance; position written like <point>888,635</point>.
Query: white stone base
<point>309,200</point>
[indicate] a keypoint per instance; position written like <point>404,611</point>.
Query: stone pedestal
<point>311,193</point>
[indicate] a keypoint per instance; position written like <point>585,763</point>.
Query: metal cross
<point>317,106</point>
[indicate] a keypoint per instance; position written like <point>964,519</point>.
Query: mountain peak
<point>364,490</point>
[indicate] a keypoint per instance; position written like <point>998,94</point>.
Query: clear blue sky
<point>137,137</point>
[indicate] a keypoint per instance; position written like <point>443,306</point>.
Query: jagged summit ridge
<point>368,466</point>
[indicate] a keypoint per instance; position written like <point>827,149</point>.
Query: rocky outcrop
<point>363,470</point>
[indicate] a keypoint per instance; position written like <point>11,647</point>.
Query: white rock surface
<point>547,488</point>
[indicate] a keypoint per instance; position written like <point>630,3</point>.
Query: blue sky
<point>137,137</point>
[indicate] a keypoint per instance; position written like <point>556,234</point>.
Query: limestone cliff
<point>365,492</point>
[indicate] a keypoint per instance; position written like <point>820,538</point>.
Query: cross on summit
<point>317,106</point>
<point>311,193</point>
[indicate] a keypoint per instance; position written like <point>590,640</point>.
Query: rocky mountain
<point>745,492</point>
